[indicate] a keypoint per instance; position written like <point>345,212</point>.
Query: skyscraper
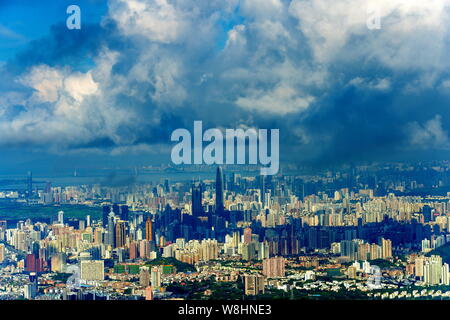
<point>149,230</point>
<point>111,229</point>
<point>219,191</point>
<point>30,184</point>
<point>197,209</point>
<point>124,212</point>
<point>247,235</point>
<point>120,234</point>
<point>156,277</point>
<point>106,211</point>
<point>254,284</point>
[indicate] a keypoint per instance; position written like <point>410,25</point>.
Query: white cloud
<point>280,100</point>
<point>429,135</point>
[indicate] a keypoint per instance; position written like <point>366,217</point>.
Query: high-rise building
<point>156,277</point>
<point>247,235</point>
<point>253,284</point>
<point>124,213</point>
<point>144,277</point>
<point>105,215</point>
<point>219,191</point>
<point>116,209</point>
<point>149,229</point>
<point>120,234</point>
<point>386,248</point>
<point>274,267</point>
<point>30,184</point>
<point>2,252</point>
<point>197,209</point>
<point>31,289</point>
<point>61,217</point>
<point>111,230</point>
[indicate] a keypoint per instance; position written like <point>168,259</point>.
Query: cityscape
<point>220,158</point>
<point>372,232</point>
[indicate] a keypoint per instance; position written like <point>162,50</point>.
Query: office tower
<point>120,234</point>
<point>60,217</point>
<point>219,191</point>
<point>30,184</point>
<point>92,270</point>
<point>247,235</point>
<point>156,277</point>
<point>144,277</point>
<point>254,284</point>
<point>2,252</point>
<point>111,230</point>
<point>149,230</point>
<point>88,220</point>
<point>262,188</point>
<point>116,209</point>
<point>274,267</point>
<point>197,209</point>
<point>426,211</point>
<point>105,215</point>
<point>124,212</point>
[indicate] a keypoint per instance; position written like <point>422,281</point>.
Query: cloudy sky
<point>112,92</point>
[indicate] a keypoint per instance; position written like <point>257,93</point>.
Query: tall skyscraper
<point>219,191</point>
<point>116,209</point>
<point>120,234</point>
<point>149,230</point>
<point>427,213</point>
<point>111,229</point>
<point>106,211</point>
<point>124,212</point>
<point>30,184</point>
<point>197,209</point>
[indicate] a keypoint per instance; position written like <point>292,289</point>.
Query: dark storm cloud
<point>337,91</point>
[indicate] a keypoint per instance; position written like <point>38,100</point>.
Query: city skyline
<point>241,152</point>
<point>75,98</point>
